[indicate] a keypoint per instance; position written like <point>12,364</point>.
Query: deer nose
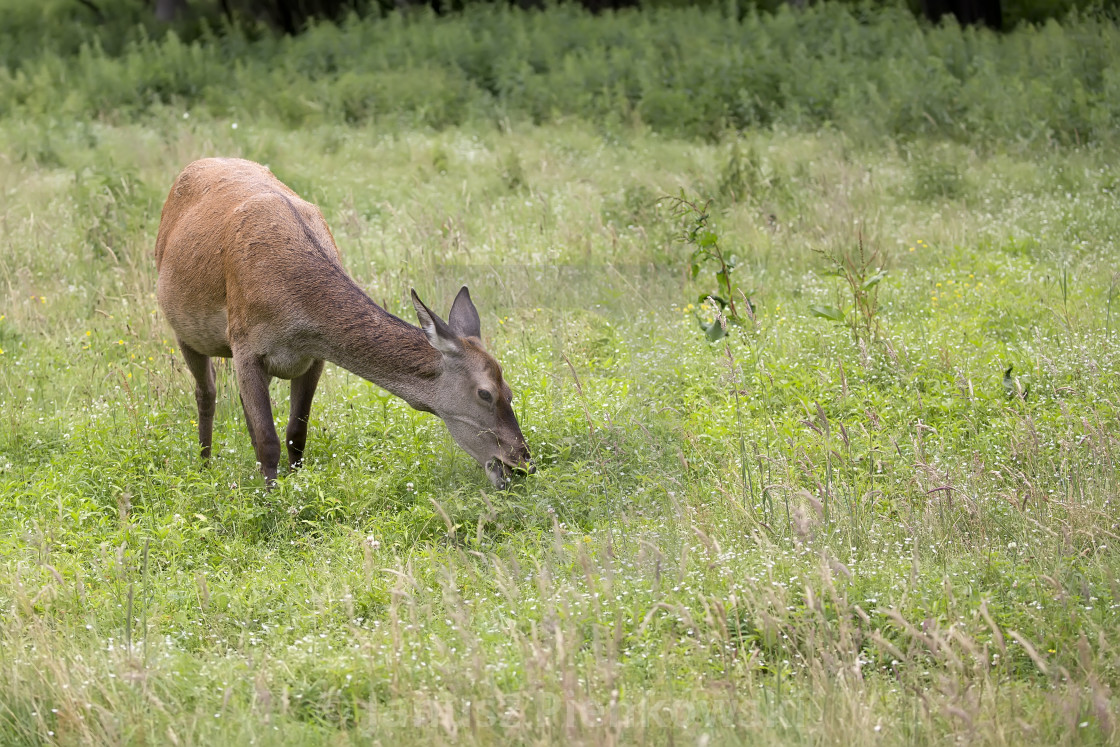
<point>526,467</point>
<point>525,461</point>
<point>518,458</point>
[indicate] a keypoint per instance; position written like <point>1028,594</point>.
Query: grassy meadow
<point>881,509</point>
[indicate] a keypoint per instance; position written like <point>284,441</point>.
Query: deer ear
<point>439,334</point>
<point>463,318</point>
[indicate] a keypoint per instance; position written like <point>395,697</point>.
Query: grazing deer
<point>249,271</point>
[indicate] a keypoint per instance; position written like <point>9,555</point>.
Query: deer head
<point>470,395</point>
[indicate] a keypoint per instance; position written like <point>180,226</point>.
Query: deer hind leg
<point>303,391</point>
<point>205,394</point>
<point>253,381</point>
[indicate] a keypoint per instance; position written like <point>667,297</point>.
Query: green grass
<point>910,552</point>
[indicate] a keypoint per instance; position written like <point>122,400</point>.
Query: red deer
<point>249,271</point>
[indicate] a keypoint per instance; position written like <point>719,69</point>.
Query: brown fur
<point>249,271</point>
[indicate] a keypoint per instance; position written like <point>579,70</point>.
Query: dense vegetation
<point>680,72</point>
<point>881,507</point>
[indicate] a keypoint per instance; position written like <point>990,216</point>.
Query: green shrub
<point>686,72</point>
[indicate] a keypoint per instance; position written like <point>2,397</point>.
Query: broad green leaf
<point>714,331</point>
<point>1010,387</point>
<point>828,312</point>
<point>707,238</point>
<point>874,280</point>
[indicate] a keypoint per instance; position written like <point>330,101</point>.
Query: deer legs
<point>303,390</point>
<point>205,394</point>
<point>253,381</point>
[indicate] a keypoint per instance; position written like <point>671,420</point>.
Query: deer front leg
<point>205,394</point>
<point>253,381</point>
<point>303,391</point>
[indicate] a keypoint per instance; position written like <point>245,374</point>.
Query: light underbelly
<point>204,333</point>
<point>284,364</point>
<point>282,353</point>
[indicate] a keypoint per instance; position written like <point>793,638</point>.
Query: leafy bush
<point>686,72</point>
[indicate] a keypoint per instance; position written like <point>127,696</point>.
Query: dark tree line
<point>291,16</point>
<point>967,12</point>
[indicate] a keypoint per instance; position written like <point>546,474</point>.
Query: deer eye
<point>485,396</point>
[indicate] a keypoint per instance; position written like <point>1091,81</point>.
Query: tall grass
<point>679,71</point>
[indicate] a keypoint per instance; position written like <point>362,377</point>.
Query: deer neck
<point>366,340</point>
